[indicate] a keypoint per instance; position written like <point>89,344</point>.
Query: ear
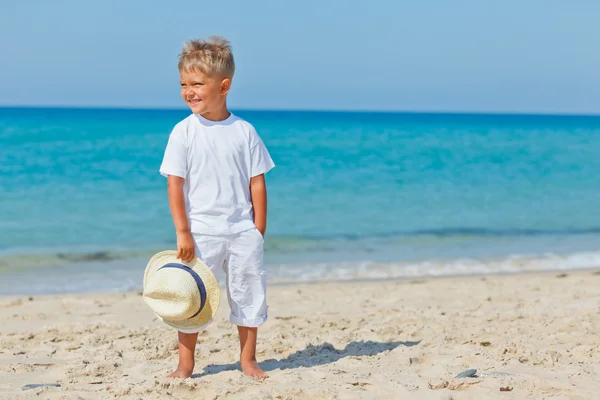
<point>225,86</point>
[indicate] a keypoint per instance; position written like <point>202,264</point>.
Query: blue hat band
<point>196,277</point>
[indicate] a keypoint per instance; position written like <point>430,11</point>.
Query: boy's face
<point>204,94</point>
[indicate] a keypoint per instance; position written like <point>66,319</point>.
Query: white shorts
<point>241,257</point>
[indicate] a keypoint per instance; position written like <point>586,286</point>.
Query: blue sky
<point>426,55</point>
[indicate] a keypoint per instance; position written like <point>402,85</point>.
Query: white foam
<point>126,275</point>
<point>286,273</point>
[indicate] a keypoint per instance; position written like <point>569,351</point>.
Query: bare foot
<point>252,369</point>
<point>182,372</point>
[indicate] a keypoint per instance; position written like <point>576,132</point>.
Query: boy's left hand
<point>261,230</point>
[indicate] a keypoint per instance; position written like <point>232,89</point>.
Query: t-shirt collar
<point>207,122</point>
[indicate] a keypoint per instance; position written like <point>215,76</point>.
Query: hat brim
<point>213,292</point>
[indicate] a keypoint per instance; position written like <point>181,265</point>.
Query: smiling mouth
<point>194,101</point>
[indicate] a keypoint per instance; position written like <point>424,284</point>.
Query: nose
<point>189,91</point>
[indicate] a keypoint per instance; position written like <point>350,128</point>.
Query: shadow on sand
<point>313,356</point>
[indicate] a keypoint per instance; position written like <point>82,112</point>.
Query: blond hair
<point>212,57</point>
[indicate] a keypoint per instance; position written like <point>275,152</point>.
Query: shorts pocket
<point>262,239</point>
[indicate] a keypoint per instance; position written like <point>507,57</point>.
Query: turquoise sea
<point>353,196</point>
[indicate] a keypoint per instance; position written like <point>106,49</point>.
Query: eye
<point>198,84</point>
<point>183,85</point>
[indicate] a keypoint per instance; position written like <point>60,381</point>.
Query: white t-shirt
<point>217,160</point>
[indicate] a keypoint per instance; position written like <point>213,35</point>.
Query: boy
<point>215,164</point>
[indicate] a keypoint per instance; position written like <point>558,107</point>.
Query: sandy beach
<point>530,336</point>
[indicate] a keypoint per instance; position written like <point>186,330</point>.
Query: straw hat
<point>183,295</point>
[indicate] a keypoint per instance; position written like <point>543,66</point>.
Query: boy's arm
<point>185,241</point>
<point>258,196</point>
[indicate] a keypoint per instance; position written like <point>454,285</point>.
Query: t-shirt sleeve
<point>260,159</point>
<point>175,157</point>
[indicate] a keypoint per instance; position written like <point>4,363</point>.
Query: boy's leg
<point>211,250</point>
<point>187,347</point>
<point>248,353</point>
<point>246,291</point>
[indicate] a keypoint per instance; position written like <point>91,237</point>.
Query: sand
<point>531,336</point>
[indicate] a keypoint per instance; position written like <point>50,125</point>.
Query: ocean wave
<point>356,271</point>
<point>127,276</point>
<point>425,243</point>
<point>450,232</point>
<point>23,260</point>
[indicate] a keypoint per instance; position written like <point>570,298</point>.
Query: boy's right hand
<point>185,246</point>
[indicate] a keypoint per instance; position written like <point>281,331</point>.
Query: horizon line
<point>308,110</point>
